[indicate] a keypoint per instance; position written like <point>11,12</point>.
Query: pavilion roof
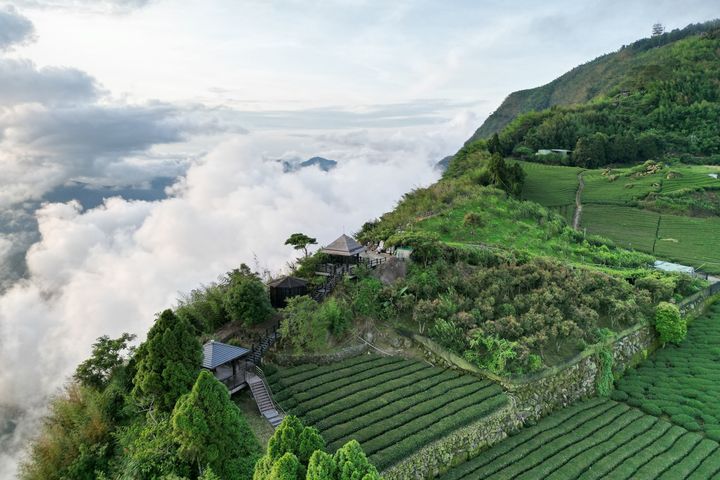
<point>217,353</point>
<point>344,246</point>
<point>288,282</point>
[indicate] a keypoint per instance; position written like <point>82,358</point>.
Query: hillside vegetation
<point>630,69</point>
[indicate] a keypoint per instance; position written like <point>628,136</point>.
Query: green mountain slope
<point>628,70</point>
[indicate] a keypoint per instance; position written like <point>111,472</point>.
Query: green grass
<point>682,383</point>
<point>596,439</point>
<point>392,406</point>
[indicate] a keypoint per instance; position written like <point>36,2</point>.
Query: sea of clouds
<point>111,268</point>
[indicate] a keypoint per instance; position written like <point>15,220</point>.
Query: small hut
<point>285,288</point>
<point>227,363</point>
<point>344,250</point>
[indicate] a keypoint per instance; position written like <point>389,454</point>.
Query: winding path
<point>578,201</point>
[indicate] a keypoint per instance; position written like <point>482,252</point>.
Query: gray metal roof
<point>344,246</point>
<point>288,282</point>
<point>673,267</point>
<point>216,354</point>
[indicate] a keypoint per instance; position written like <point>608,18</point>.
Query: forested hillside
<point>658,95</point>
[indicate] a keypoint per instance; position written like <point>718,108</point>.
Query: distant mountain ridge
<point>627,68</point>
<point>323,164</point>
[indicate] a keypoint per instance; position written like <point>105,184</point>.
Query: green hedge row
<point>538,455</point>
<point>603,467</point>
<point>309,405</point>
<point>293,375</point>
<point>681,382</point>
<point>406,444</point>
<point>403,411</point>
<point>370,400</point>
<point>350,379</point>
<point>560,454</point>
<point>323,377</point>
<point>512,448</point>
<point>415,422</point>
<point>597,441</point>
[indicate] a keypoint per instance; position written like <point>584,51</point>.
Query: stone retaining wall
<point>459,446</point>
<point>531,397</point>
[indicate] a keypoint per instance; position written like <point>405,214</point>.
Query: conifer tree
<point>212,432</point>
<point>168,362</point>
<point>352,464</point>
<point>321,466</point>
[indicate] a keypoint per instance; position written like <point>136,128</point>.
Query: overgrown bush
<point>336,315</point>
<point>669,323</point>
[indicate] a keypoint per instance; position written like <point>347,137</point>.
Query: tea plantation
<point>681,383</point>
<point>392,406</point>
<point>596,439</point>
<point>649,211</point>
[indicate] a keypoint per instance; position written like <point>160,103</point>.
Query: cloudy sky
<point>116,93</point>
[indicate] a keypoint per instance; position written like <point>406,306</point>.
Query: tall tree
<point>212,432</point>
<point>352,464</point>
<point>321,467</point>
<point>290,438</point>
<point>168,362</point>
<point>246,299</point>
<point>300,241</point>
<point>493,145</point>
<point>107,355</point>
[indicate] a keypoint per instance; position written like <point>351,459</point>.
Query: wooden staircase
<point>267,341</point>
<point>263,397</point>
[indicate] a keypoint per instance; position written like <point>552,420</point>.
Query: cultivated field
<point>392,406</point>
<point>694,241</point>
<point>597,439</point>
<point>563,179</point>
<point>610,209</point>
<point>627,227</point>
<point>681,383</point>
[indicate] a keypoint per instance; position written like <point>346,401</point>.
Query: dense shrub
<point>302,328</point>
<point>669,324</point>
<point>246,299</point>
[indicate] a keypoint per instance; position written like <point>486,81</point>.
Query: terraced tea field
<point>610,208</point>
<point>691,240</point>
<point>681,383</point>
<point>564,182</point>
<point>391,405</point>
<point>627,227</point>
<point>597,439</point>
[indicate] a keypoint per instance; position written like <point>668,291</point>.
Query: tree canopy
<point>167,362</point>
<point>107,355</point>
<point>246,299</point>
<point>300,241</point>
<point>211,431</point>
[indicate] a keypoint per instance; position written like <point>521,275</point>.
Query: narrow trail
<point>578,201</point>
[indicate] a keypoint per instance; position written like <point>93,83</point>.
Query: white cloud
<point>23,82</point>
<point>110,269</point>
<point>14,28</point>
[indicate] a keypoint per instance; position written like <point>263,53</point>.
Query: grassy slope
<point>625,68</point>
